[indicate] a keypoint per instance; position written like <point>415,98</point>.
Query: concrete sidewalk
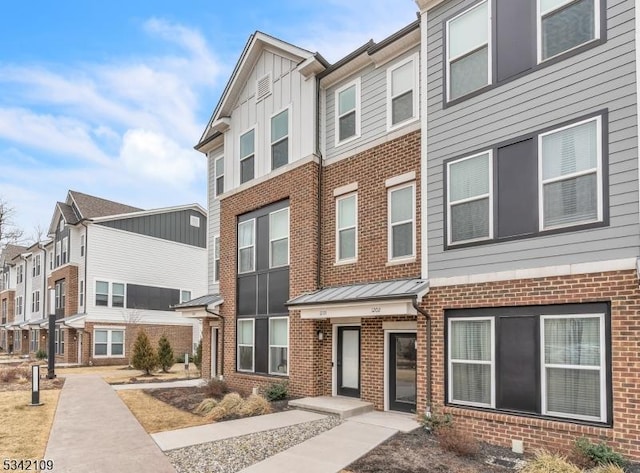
<point>181,383</point>
<point>93,431</point>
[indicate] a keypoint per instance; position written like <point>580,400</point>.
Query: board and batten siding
<point>288,89</point>
<point>600,78</point>
<point>373,104</point>
<point>214,217</point>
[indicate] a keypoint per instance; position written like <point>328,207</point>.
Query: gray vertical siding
<point>600,78</point>
<point>214,218</point>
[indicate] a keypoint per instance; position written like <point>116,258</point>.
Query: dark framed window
<point>564,25</point>
<point>247,156</point>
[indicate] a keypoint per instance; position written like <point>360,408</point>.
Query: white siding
<point>214,217</point>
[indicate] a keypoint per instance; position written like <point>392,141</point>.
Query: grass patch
<point>156,416</point>
<point>24,430</point>
<point>125,375</point>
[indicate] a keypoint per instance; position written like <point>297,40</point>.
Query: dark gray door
<point>349,361</point>
<point>402,372</point>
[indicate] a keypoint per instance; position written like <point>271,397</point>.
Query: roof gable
<point>89,206</point>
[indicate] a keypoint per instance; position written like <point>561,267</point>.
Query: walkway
<point>182,383</point>
<point>93,431</point>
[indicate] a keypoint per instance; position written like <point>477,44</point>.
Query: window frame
<point>340,198</point>
<point>390,191</point>
<point>35,301</point>
<point>285,137</point>
<point>184,292</point>
<point>108,293</point>
<point>19,305</point>
<point>81,293</point>
<point>36,265</point>
<point>253,345</point>
<point>83,240</point>
<point>252,246</point>
<point>489,45</point>
<point>357,83</point>
<point>248,156</point>
<point>112,294</point>
<point>276,373</point>
<point>109,341</point>
<point>58,253</point>
<point>64,259</point>
<point>20,274</point>
<point>218,189</point>
<point>415,60</point>
<point>272,240</point>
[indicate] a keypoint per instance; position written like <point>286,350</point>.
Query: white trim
<point>253,346</point>
<point>334,353</point>
<point>216,176</point>
<point>357,109</point>
<point>287,136</point>
<point>214,352</point>
<point>216,245</point>
<point>414,59</point>
<point>390,225</point>
<point>142,213</point>
<point>109,342</point>
<point>353,259</point>
<point>387,339</point>
<point>271,319</point>
<point>252,246</point>
<point>288,238</point>
<point>242,158</point>
<point>337,192</point>
<point>424,141</point>
<point>401,179</point>
<point>347,310</point>
<point>400,326</point>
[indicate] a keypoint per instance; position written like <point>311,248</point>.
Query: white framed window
<point>33,341</point>
<point>570,175</point>
<point>573,375</point>
<point>194,221</point>
<point>117,294</point>
<point>280,139</point>
<point>60,295</point>
<point>246,343</point>
<point>108,342</point>
<point>65,250</point>
<point>185,296</point>
<point>564,25</point>
<point>402,222</point>
<point>402,92</point>
<point>20,274</point>
<point>279,345</point>
<point>279,238</point>
<point>37,261</point>
<point>35,302</point>
<point>219,175</point>
<point>19,303</point>
<point>81,294</point>
<point>216,258</point>
<point>468,43</point>
<point>471,361</point>
<point>61,225</point>
<point>59,341</point>
<point>102,293</point>
<point>83,240</point>
<point>246,246</point>
<point>347,228</point>
<point>347,105</point>
<point>470,198</point>
<point>247,156</point>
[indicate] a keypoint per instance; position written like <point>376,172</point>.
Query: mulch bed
<point>45,384</point>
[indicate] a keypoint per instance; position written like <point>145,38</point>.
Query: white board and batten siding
<point>600,78</point>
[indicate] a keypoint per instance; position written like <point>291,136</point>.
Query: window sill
<point>345,262</point>
<point>397,262</point>
<point>398,126</point>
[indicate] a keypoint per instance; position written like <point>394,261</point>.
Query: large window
<point>545,361</point>
<point>60,296</point>
<point>247,156</point>
<point>402,93</point>
<point>108,343</point>
<point>219,170</point>
<point>570,181</point>
<point>245,338</point>
<point>35,302</point>
<point>279,238</point>
<point>102,293</point>
<point>216,258</point>
<point>469,51</point>
<point>347,112</point>
<point>566,24</point>
<point>278,345</point>
<point>280,139</point>
<point>347,228</point>
<point>65,250</point>
<point>246,246</point>
<point>469,209</point>
<point>402,215</point>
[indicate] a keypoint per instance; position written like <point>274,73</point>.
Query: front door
<point>349,361</point>
<point>402,372</point>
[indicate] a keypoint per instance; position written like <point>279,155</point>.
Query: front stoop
<point>342,406</point>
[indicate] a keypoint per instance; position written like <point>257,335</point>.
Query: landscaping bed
<point>18,378</point>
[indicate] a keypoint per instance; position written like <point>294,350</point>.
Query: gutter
<point>427,317</point>
<point>320,175</point>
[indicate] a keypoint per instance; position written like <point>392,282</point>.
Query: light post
<point>51,359</point>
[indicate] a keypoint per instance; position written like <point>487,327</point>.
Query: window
<point>402,222</point>
<point>33,341</point>
<point>219,175</point>
<point>216,258</point>
<point>347,112</point>
<point>246,248</point>
<point>347,228</point>
<point>35,302</point>
<point>82,244</point>
<point>102,293</point>
<point>81,294</point>
<point>469,201</point>
<point>468,51</point>
<point>245,345</point>
<point>280,139</point>
<point>17,341</point>
<point>566,24</point>
<point>278,345</point>
<point>247,156</point>
<point>36,266</point>
<point>61,225</point>
<point>117,296</point>
<point>570,175</point>
<point>60,295</point>
<point>65,250</point>
<point>4,311</point>
<point>108,343</point>
<point>279,238</point>
<point>185,296</point>
<point>402,103</point>
<point>58,253</point>
<point>19,301</point>
<point>20,273</point>
<point>471,362</point>
<point>194,221</point>
<point>59,341</point>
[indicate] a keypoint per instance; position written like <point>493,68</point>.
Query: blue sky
<point>108,98</point>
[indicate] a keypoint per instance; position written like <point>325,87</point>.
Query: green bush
<point>599,453</point>
<point>144,356</point>
<point>435,420</point>
<point>165,354</point>
<point>41,354</point>
<point>276,391</point>
<point>197,358</point>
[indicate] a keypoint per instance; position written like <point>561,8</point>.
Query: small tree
<point>165,354</point>
<point>197,357</point>
<point>144,356</point>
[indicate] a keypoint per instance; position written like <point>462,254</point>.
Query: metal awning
<point>73,321</point>
<point>200,307</point>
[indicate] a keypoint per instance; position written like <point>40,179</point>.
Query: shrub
<point>436,420</point>
<point>598,453</point>
<point>144,356</point>
<point>545,462</point>
<point>454,439</point>
<point>608,468</point>
<point>180,358</point>
<point>41,354</point>
<point>254,405</point>
<point>205,406</point>
<point>197,357</point>
<point>165,354</point>
<point>215,388</point>
<point>7,375</point>
<point>228,407</point>
<point>276,391</point>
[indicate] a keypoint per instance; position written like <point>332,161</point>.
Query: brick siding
<point>69,273</point>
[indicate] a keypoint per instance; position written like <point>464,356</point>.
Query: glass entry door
<point>402,372</point>
<point>349,361</point>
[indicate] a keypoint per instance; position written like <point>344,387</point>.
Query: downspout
<point>44,282</point>
<point>218,347</point>
<point>427,317</point>
<point>320,175</point>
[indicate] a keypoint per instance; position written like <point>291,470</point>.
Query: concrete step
<point>337,405</point>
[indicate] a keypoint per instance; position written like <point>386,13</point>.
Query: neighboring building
<point>448,219</point>
<point>10,336</point>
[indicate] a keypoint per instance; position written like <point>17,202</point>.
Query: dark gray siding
<point>172,226</point>
<point>601,78</point>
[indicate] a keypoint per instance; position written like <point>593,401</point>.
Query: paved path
<point>182,383</point>
<point>94,432</point>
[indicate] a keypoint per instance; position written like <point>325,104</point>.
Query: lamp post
<point>51,360</point>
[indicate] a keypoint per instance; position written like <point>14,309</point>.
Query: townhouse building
<point>8,285</point>
<point>447,220</point>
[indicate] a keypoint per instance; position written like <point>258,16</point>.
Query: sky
<point>109,98</point>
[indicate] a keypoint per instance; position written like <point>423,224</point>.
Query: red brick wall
<point>69,273</point>
<point>620,288</point>
<point>10,297</point>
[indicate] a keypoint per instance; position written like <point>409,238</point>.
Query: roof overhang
<point>381,308</point>
<point>425,5</point>
<point>74,321</point>
<point>205,307</point>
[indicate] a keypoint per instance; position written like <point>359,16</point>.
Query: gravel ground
<point>234,454</point>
